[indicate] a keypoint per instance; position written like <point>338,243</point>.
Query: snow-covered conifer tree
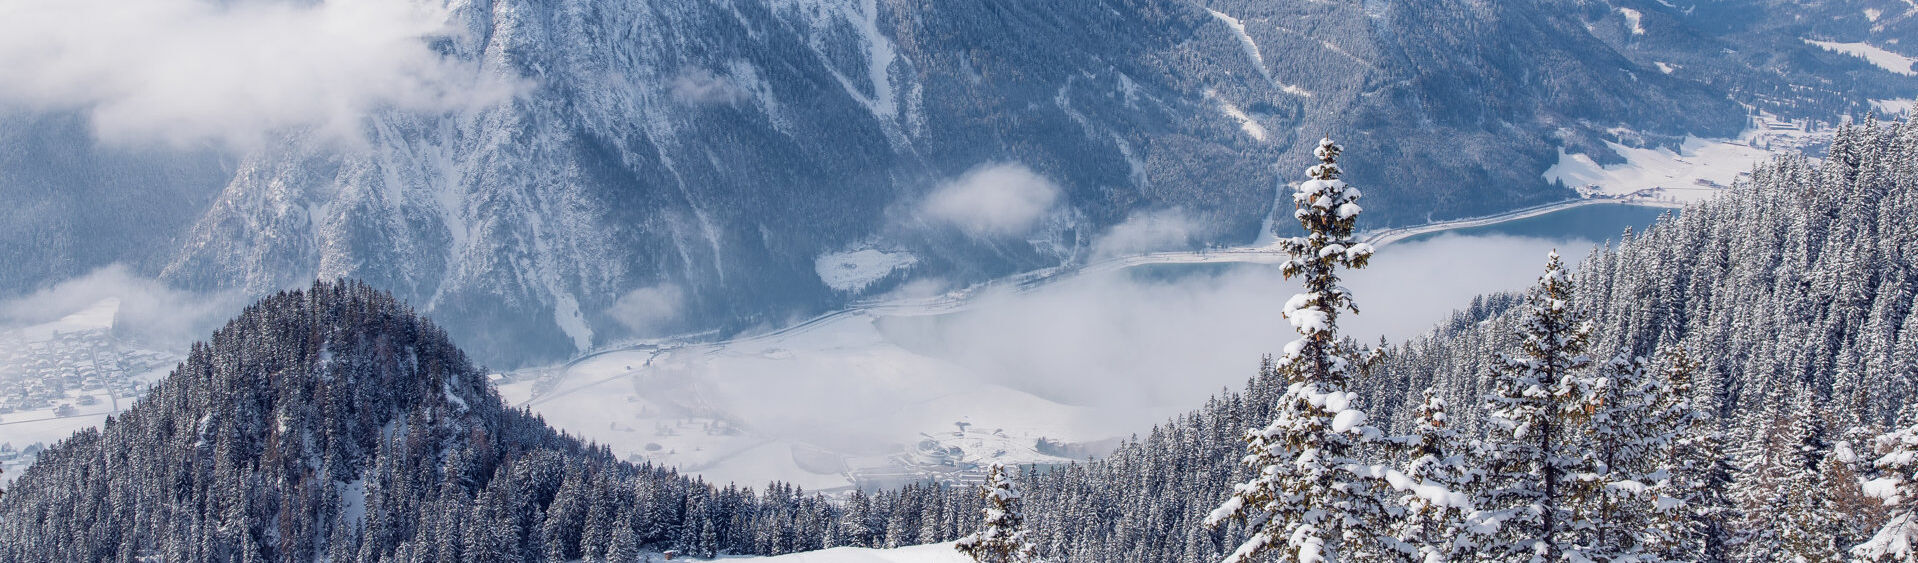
<point>1538,406</point>
<point>1805,528</point>
<point>1435,528</point>
<point>1618,497</point>
<point>1690,518</point>
<point>1309,497</point>
<point>1897,540</point>
<point>1002,535</point>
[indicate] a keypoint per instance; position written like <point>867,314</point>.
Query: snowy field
<point>1890,61</point>
<point>853,271</point>
<point>931,553</point>
<point>898,394</point>
<point>1694,172</point>
<point>1892,108</point>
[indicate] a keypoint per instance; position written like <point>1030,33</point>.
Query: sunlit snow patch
<point>1247,123</point>
<point>1634,19</point>
<point>1697,170</point>
<point>854,271</point>
<point>929,553</point>
<point>1887,60</point>
<point>1894,107</point>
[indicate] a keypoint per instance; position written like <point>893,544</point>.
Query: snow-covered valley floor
<point>886,395</point>
<point>1694,171</point>
<point>931,553</point>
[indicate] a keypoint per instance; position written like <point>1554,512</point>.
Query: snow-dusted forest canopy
<point>1793,293</point>
<point>1732,384</point>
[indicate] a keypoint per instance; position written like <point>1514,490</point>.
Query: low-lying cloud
<point>698,86</point>
<point>234,73</point>
<point>649,311</point>
<point>1143,345</point>
<point>1097,356</point>
<point>150,313</point>
<point>1147,231</point>
<point>993,200</point>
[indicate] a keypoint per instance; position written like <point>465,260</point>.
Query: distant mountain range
<point>685,166</point>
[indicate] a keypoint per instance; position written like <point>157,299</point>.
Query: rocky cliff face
<point>677,166</point>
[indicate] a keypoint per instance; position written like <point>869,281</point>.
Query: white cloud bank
<point>993,200</point>
<point>649,311</point>
<point>234,73</point>
<point>1148,231</point>
<point>150,313</point>
<point>698,86</point>
<point>1138,348</point>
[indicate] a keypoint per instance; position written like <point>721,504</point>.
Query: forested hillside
<point>1794,292</point>
<point>334,424</point>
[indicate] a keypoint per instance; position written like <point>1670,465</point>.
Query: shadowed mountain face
<point>680,166</point>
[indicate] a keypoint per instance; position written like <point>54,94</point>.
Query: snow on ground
<point>1694,172</point>
<point>1894,107</point>
<point>20,429</point>
<point>930,553</point>
<point>98,316</point>
<point>68,412</point>
<point>1251,47</point>
<point>1252,50</point>
<point>1634,19</point>
<point>826,407</point>
<point>854,271</point>
<point>1247,123</point>
<point>910,390</point>
<point>1876,55</point>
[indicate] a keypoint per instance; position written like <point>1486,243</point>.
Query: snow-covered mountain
<point>679,166</point>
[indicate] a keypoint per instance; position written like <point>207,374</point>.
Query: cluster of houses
<point>70,369</point>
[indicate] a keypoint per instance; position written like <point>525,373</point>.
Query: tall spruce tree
<point>1538,406</point>
<point>1002,536</point>
<point>1309,497</point>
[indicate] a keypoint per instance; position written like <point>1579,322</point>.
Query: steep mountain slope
<point>681,166</point>
<point>334,423</point>
<point>74,206</point>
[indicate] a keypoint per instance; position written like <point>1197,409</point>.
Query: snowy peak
<point>718,151</point>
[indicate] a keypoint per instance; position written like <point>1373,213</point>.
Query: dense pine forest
<point>1793,295</point>
<point>1733,384</point>
<point>335,424</point>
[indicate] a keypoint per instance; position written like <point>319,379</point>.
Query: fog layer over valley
<point>875,397</point>
<point>872,398</point>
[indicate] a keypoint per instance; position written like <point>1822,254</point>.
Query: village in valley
<point>67,374</point>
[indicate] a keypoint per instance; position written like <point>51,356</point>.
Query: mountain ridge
<point>718,151</point>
